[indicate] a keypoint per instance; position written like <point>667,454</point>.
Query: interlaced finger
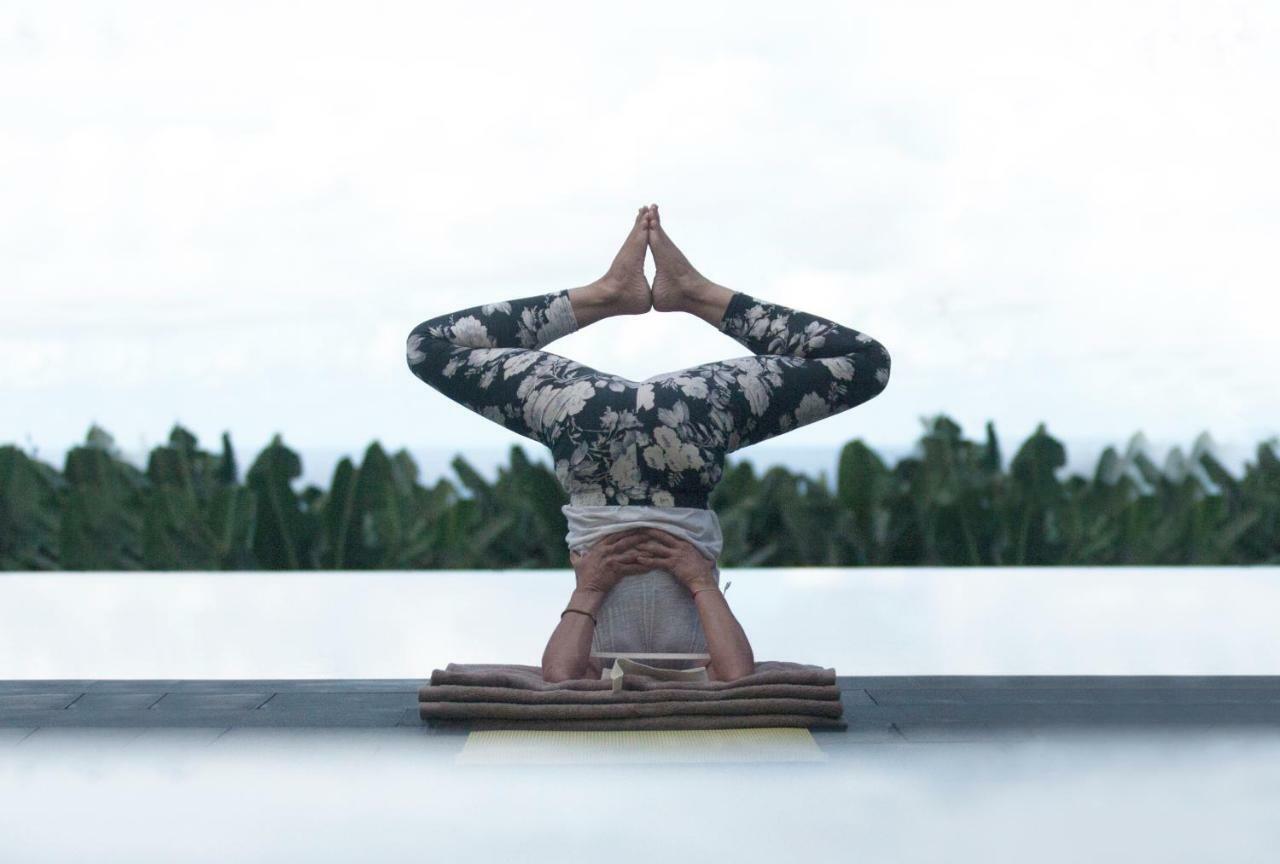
<point>626,556</point>
<point>622,539</point>
<point>652,547</point>
<point>665,538</point>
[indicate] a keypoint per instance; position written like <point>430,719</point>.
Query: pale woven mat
<point>548,747</point>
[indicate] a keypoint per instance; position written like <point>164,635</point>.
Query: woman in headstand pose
<point>640,458</point>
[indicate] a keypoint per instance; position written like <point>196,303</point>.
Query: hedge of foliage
<point>951,502</point>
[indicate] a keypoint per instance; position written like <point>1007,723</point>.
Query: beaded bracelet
<point>583,611</point>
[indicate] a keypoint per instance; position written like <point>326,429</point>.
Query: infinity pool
<point>249,795</point>
<point>307,799</point>
<point>862,621</point>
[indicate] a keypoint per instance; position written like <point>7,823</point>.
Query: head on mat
<point>639,459</point>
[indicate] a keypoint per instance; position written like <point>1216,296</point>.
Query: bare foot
<point>625,288</point>
<point>677,286</point>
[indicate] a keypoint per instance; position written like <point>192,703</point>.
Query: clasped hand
<point>640,550</point>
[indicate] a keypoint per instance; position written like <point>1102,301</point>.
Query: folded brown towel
<point>628,724</point>
<point>518,711</point>
<point>468,693</point>
<point>530,677</point>
<point>515,696</point>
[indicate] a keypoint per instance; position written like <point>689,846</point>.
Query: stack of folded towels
<point>630,696</point>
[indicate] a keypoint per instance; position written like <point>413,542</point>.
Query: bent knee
<point>413,353</point>
<point>881,372</point>
<point>420,346</point>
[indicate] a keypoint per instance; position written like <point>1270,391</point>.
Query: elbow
<point>731,673</point>
<point>733,668</point>
<point>870,363</point>
<point>555,674</point>
<point>554,668</point>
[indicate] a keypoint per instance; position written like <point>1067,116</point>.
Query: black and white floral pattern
<point>661,441</point>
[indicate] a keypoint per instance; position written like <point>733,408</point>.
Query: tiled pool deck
<point>890,709</point>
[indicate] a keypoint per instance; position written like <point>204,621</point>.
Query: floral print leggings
<point>661,441</point>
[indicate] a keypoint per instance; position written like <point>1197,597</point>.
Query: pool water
<point>249,795</point>
<point>332,798</point>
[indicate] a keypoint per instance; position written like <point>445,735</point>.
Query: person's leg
<point>488,358</point>
<point>805,367</point>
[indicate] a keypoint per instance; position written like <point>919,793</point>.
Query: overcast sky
<point>231,215</point>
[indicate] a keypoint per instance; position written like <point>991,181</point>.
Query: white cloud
<point>237,212</point>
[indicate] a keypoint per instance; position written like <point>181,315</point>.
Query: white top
<point>652,613</point>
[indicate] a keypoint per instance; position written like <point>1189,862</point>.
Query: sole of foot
<point>625,285</point>
<point>677,285</point>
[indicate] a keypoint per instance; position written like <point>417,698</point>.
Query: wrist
<point>587,598</point>
<point>696,586</point>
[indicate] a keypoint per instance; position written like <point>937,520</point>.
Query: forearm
<point>569,648</point>
<point>731,654</point>
<point>525,322</point>
<point>772,328</point>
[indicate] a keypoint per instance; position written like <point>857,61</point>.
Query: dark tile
<point>356,685</point>
<point>1068,713</point>
<point>855,697</point>
<point>61,685</point>
<point>346,700</point>
<point>176,700</point>
<point>35,701</point>
<point>108,701</point>
<point>144,685</point>
<point>122,718</point>
<point>299,685</point>
<point>327,718</point>
<point>954,733</point>
<point>1075,696</point>
<point>191,717</point>
<point>1062,682</point>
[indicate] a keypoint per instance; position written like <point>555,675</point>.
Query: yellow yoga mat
<point>546,747</point>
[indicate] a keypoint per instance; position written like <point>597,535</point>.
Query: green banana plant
<point>102,506</point>
<point>29,513</point>
<point>196,516</point>
<point>950,502</point>
<point>283,532</point>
